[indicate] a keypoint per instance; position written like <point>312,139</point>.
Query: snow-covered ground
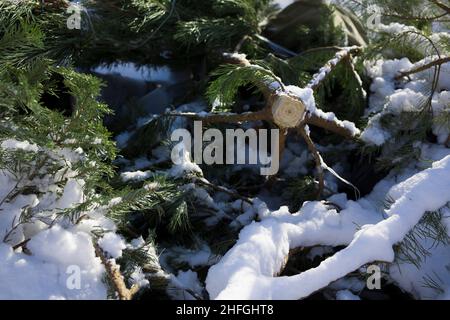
<point>250,269</point>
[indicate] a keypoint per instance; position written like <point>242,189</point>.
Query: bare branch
<point>441,5</point>
<point>319,77</point>
<point>226,117</point>
<point>312,148</point>
<point>222,189</point>
<point>427,66</point>
<point>329,125</point>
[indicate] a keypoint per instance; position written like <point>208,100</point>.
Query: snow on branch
<point>249,269</point>
<point>330,65</point>
<point>423,65</point>
<point>288,106</point>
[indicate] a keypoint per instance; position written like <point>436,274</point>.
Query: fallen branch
<point>331,125</point>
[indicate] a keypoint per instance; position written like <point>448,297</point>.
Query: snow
<point>248,270</point>
<point>112,244</point>
<point>186,280</point>
<point>13,144</point>
<point>390,96</point>
<point>122,139</point>
<point>195,258</point>
<point>54,258</point>
<point>292,165</point>
<point>396,28</point>
<point>73,194</point>
<point>51,251</point>
<point>46,273</point>
<point>405,100</point>
<point>435,266</point>
<point>183,164</point>
<point>306,95</point>
<point>346,295</point>
<point>135,175</point>
<point>284,3</point>
<point>325,70</point>
<point>156,74</point>
<point>330,116</point>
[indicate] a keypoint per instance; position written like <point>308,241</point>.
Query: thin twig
<point>10,192</point>
<point>427,66</point>
<point>312,148</point>
<point>441,5</point>
<point>222,189</point>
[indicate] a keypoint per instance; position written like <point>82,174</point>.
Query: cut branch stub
<point>287,111</point>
